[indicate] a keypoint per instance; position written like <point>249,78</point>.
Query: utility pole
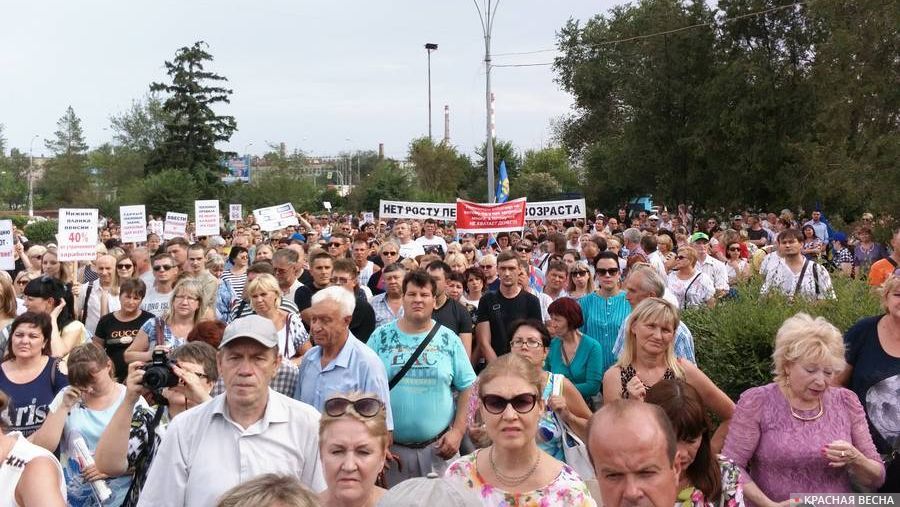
<point>429,47</point>
<point>31,177</point>
<point>487,24</point>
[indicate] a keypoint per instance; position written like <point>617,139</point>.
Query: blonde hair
<point>512,365</point>
<point>36,250</point>
<point>264,282</point>
<point>804,338</point>
<point>689,252</point>
<point>377,424</point>
<point>656,310</point>
<point>268,490</point>
<point>456,258</point>
<point>664,239</point>
<point>194,289</point>
<point>891,285</point>
<point>7,296</point>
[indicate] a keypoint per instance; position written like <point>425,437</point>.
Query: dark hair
<point>790,233</point>
<point>200,352</point>
<point>162,255</point>
<point>261,268</point>
<point>39,320</point>
<point>807,226</point>
<point>557,266</point>
<point>606,254</point>
<point>559,241</point>
<point>685,410</point>
<point>390,268</point>
<point>177,242</point>
<point>81,362</point>
<point>419,278</point>
<point>197,246</point>
<point>207,331</point>
<point>648,243</point>
<point>46,287</point>
<point>439,265</point>
<point>235,251</point>
<point>506,255</point>
<point>457,277</point>
<point>345,265</point>
<point>133,286</point>
<point>320,255</point>
<point>532,323</point>
<point>430,221</point>
<point>568,309</point>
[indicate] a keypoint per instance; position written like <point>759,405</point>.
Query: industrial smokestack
<point>446,124</point>
<point>380,151</point>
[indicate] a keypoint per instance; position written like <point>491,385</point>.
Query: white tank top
<point>12,467</point>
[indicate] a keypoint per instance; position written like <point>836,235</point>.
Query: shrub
<point>19,221</point>
<point>42,232</point>
<point>734,340</point>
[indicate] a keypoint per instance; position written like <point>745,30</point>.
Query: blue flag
<point>503,183</point>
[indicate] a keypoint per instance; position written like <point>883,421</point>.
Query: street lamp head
<point>431,46</point>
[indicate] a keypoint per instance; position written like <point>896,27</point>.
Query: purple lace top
<point>782,454</point>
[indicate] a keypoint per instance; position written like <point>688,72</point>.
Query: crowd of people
<point>349,363</point>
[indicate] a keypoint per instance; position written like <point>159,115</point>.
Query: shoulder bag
<point>415,356</point>
<point>574,449</point>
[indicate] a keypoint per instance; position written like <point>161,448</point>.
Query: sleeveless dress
<point>629,372</point>
<point>12,467</point>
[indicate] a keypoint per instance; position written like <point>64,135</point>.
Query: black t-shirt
<point>306,277</point>
<point>755,235</point>
<point>876,380</point>
<point>303,296</point>
<point>454,316</point>
<point>117,337</point>
<point>362,322</point>
<point>500,312</point>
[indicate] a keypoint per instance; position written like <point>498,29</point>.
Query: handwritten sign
<point>77,234</point>
<point>134,223</point>
<point>176,225</point>
<point>7,246</point>
<point>235,212</point>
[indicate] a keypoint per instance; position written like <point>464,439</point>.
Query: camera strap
<point>160,333</point>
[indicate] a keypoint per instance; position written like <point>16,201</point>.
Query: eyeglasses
<point>184,297</point>
<point>680,257</point>
<point>522,403</point>
<point>163,267</point>
<point>366,407</point>
<point>340,280</point>
<point>23,281</point>
<point>528,344</point>
<point>580,273</point>
<point>523,249</point>
<point>124,266</point>
<point>607,272</point>
<point>391,254</point>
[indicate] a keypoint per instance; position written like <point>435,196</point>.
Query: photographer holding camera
<point>181,380</point>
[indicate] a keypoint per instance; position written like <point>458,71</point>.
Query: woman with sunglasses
<point>737,267</point>
<point>124,267</point>
<point>21,280</point>
<point>469,252</point>
<point>580,281</point>
<point>49,295</point>
<point>648,356</point>
<point>606,308</point>
<point>389,252</point>
<point>692,287</point>
<point>353,446</point>
<point>514,470</point>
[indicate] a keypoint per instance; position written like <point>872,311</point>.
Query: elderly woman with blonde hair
<point>269,490</point>
<point>353,445</point>
<point>799,433</point>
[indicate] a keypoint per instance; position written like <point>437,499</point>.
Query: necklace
<point>813,418</point>
<point>513,481</point>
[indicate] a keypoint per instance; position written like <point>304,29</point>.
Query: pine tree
<point>66,181</point>
<point>192,128</point>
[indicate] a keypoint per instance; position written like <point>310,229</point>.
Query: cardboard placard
<point>77,234</point>
<point>176,225</point>
<point>133,220</point>
<point>7,246</point>
<point>273,218</point>
<point>206,218</point>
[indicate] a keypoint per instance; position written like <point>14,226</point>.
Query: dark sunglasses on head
<point>366,407</point>
<point>163,267</point>
<point>607,272</point>
<point>522,403</point>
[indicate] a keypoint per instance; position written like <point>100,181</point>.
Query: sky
<point>321,76</point>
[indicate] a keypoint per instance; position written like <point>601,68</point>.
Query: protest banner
<point>176,225</point>
<point>368,217</point>
<point>326,205</point>
<point>273,218</point>
<point>206,218</point>
<point>235,212</point>
<point>77,235</point>
<point>7,246</point>
<point>548,210</point>
<point>133,220</point>
<point>501,217</point>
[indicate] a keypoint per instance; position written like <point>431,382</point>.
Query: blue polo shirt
<point>356,368</point>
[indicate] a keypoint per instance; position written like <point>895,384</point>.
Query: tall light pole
<point>31,176</point>
<point>487,24</point>
<point>429,47</point>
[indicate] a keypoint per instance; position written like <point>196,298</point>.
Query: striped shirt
<point>602,319</point>
<point>237,282</point>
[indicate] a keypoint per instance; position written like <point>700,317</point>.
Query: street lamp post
<point>487,24</point>
<point>31,176</point>
<point>429,47</point>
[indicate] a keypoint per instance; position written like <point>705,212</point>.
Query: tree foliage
<point>440,169</point>
<point>794,106</point>
<point>66,180</point>
<point>167,190</point>
<point>537,186</point>
<point>276,187</point>
<point>142,128</point>
<point>387,181</point>
<point>553,162</point>
<point>192,127</point>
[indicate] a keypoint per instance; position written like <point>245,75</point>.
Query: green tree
<point>386,182</point>
<point>503,150</point>
<point>552,161</point>
<point>167,190</point>
<point>66,180</point>
<point>439,168</point>
<point>274,188</point>
<point>115,168</point>
<point>192,128</point>
<point>14,179</point>
<point>538,186</point>
<point>142,128</point>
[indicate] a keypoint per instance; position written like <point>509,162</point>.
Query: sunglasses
<point>124,266</point>
<point>522,403</point>
<point>734,249</point>
<point>523,249</point>
<point>579,273</point>
<point>335,245</point>
<point>163,267</point>
<point>366,407</point>
<point>389,253</point>
<point>680,257</point>
<point>22,282</point>
<point>607,272</point>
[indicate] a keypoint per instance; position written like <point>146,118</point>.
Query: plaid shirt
<point>284,381</point>
<point>383,313</point>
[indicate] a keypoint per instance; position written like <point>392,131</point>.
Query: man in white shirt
<point>95,298</point>
<point>654,258</point>
<point>248,431</point>
<point>713,268</point>
<point>360,250</point>
<point>165,274</point>
<point>796,276</point>
<point>409,249</point>
<point>429,242</point>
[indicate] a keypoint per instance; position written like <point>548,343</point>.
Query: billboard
<point>238,169</point>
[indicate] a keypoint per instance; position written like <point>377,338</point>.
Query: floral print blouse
<point>567,490</point>
<point>732,489</point>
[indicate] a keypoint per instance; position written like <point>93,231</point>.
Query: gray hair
<point>345,300</point>
<point>649,279</point>
<point>632,235</point>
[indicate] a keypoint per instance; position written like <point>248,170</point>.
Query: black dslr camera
<point>158,374</point>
